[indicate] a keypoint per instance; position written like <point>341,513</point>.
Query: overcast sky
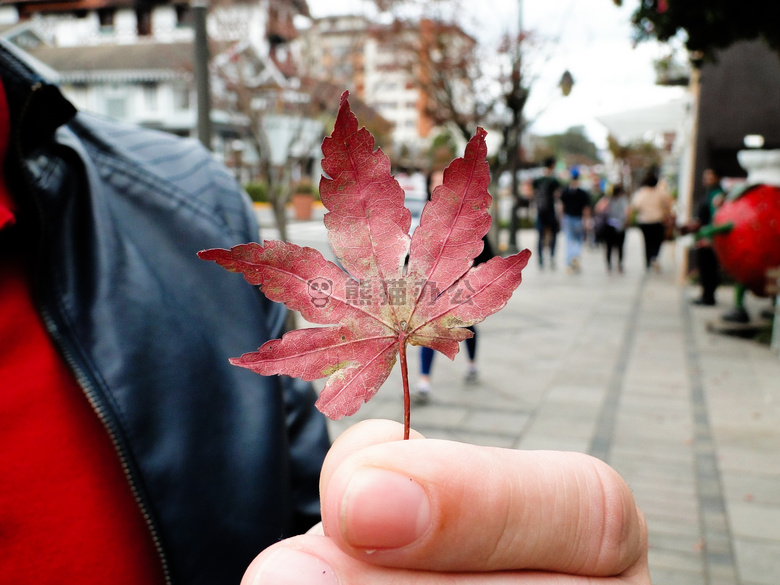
<point>590,38</point>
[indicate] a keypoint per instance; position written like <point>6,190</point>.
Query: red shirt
<point>67,514</point>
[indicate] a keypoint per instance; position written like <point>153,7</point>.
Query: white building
<point>134,62</point>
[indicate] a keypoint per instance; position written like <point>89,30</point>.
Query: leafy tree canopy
<point>574,146</point>
<point>707,25</point>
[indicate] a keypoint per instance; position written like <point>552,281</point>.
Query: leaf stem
<point>405,379</point>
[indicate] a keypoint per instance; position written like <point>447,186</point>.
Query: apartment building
<point>388,65</point>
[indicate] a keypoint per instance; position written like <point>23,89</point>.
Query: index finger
<point>444,506</point>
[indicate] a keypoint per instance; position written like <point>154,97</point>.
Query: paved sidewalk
<point>623,367</point>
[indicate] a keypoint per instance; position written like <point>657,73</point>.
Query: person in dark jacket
<point>121,415</point>
<point>422,392</point>
<point>706,261</point>
<point>547,191</point>
<point>132,452</point>
<point>575,207</point>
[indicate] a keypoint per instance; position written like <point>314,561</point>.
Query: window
<point>106,19</point>
<point>183,16</point>
<point>340,52</point>
<point>116,107</point>
<point>77,93</point>
<point>150,97</point>
<point>386,86</point>
<point>144,21</point>
<point>181,97</point>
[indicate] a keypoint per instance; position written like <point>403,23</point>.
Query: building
<point>134,61</point>
<point>737,96</point>
<point>332,49</point>
<point>667,126</point>
<point>392,68</point>
<point>268,24</point>
<point>148,83</point>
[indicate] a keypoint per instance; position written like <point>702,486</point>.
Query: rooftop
<point>141,61</point>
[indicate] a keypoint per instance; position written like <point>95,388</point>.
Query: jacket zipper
<point>100,411</point>
<point>79,372</point>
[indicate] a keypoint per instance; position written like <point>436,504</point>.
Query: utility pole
<point>201,69</point>
<point>520,16</point>
<point>516,102</point>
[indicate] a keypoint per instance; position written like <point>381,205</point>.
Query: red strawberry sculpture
<point>746,229</point>
<point>752,246</point>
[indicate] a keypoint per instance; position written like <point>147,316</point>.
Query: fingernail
<point>291,567</point>
<point>383,509</point>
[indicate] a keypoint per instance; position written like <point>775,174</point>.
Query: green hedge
<point>258,192</point>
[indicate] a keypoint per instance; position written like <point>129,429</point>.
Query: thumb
<point>444,506</point>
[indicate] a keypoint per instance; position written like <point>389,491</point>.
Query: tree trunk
<point>513,151</point>
<point>276,194</point>
<point>279,207</point>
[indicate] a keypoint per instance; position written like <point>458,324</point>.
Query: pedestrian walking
<point>613,214</point>
<point>422,392</point>
<point>575,206</point>
<point>547,190</point>
<point>653,207</point>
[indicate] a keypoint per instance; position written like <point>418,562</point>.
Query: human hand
<point>425,512</point>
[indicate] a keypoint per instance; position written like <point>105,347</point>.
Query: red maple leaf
<point>378,302</point>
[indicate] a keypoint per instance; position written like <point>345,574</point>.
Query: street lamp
<point>566,83</point>
<point>515,100</point>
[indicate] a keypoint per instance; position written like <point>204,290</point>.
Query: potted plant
<point>303,199</point>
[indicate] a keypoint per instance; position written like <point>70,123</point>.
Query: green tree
<point>707,25</point>
<point>574,146</point>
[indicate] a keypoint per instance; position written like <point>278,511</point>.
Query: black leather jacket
<point>223,462</point>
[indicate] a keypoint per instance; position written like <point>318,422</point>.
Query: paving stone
<point>670,541</point>
<point>683,508</point>
<point>495,421</point>
<point>755,487</point>
<point>668,524</point>
<point>719,544</point>
<point>462,436</point>
<point>758,562</point>
<point>747,459</point>
<point>634,386</point>
<point>687,562</point>
<point>576,394</point>
<point>549,424</point>
<point>752,520</point>
<point>553,443</point>
<point>667,576</point>
<point>656,451</point>
<point>440,415</point>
